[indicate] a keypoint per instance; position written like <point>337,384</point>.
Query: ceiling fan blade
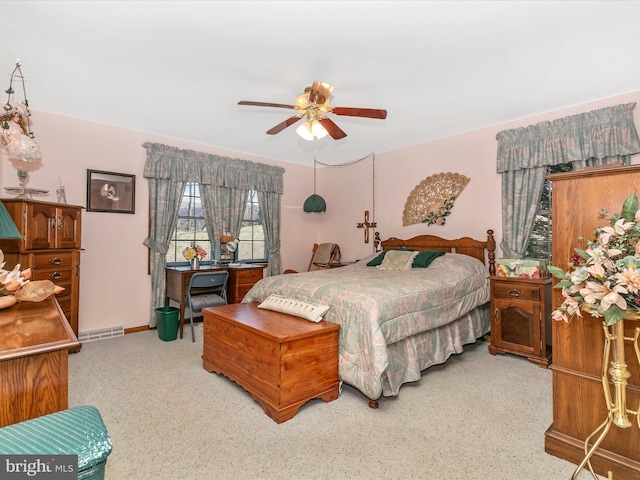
<point>333,129</point>
<point>266,104</point>
<point>360,112</point>
<point>282,125</point>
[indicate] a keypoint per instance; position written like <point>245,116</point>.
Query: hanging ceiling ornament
<point>17,137</point>
<point>315,203</point>
<point>432,199</point>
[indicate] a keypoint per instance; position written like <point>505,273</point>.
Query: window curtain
<point>223,209</point>
<point>599,137</point>
<point>222,179</point>
<point>270,205</point>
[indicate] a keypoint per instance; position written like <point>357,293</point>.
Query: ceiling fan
<point>314,105</point>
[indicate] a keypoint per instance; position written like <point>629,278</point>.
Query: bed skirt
<point>409,357</point>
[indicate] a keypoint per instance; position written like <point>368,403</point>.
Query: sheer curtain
<point>599,137</point>
<point>224,182</point>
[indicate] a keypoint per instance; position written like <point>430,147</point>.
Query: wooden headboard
<point>483,251</point>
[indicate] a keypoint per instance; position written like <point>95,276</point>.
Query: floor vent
<point>101,334</point>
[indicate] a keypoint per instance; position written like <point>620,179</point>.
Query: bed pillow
<point>397,260</point>
<point>308,310</point>
<point>374,262</point>
<point>424,258</point>
<point>377,260</point>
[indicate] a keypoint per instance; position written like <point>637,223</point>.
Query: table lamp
<point>8,228</point>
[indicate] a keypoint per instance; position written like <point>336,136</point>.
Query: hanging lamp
<point>315,203</point>
<point>17,139</point>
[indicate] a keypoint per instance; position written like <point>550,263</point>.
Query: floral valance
<point>164,161</point>
<point>607,132</point>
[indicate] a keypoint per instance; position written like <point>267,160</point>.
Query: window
<point>191,228</point>
<point>540,242</point>
<point>252,244</point>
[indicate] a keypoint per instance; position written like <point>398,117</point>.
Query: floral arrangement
<point>194,251</point>
<point>604,279</point>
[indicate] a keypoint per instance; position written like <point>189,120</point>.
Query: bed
<point>396,322</point>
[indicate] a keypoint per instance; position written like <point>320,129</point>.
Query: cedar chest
<point>281,360</point>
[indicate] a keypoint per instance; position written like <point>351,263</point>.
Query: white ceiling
<point>179,68</point>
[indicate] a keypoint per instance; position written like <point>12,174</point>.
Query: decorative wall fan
<point>314,105</point>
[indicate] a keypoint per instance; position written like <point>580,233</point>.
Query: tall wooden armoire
<point>578,399</point>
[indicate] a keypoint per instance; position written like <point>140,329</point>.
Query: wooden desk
<point>241,279</point>
<point>35,339</point>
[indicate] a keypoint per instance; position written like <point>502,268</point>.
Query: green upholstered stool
<point>76,431</point>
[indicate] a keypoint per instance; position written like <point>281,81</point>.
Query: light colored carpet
<point>476,417</point>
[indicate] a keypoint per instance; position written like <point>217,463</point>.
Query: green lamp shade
<point>315,203</point>
<point>8,228</point>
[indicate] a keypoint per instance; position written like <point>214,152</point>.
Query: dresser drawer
<point>249,276</point>
<point>53,259</point>
<point>64,300</point>
<point>59,276</point>
<point>242,291</point>
<point>516,291</point>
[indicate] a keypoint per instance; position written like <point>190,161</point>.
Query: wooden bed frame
<point>483,251</point>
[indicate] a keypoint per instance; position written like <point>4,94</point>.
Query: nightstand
<point>521,318</point>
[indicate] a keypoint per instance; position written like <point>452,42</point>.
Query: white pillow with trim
<point>304,309</point>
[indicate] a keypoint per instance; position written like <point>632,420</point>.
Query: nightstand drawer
<point>516,291</point>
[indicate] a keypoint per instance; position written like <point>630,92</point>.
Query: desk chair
<point>207,289</point>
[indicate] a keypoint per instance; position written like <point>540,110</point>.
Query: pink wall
<point>472,154</point>
<point>115,287</point>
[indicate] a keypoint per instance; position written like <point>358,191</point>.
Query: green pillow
<point>377,260</point>
<point>424,258</point>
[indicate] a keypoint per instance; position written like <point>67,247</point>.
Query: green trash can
<point>168,320</point>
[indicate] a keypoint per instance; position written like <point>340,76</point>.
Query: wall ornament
<point>432,199</point>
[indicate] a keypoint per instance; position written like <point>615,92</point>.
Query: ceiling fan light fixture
<point>310,130</point>
<point>314,106</point>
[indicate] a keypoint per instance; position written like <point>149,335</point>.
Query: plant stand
<point>618,413</point>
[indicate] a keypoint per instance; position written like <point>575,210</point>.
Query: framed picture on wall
<point>110,192</point>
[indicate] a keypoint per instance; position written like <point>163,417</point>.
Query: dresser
<point>35,339</point>
<point>578,397</point>
<point>521,318</point>
<point>51,245</point>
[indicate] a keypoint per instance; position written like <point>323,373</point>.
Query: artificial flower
<point>605,278</point>
<point>194,251</point>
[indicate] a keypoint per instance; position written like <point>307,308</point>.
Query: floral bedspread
<point>378,308</point>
